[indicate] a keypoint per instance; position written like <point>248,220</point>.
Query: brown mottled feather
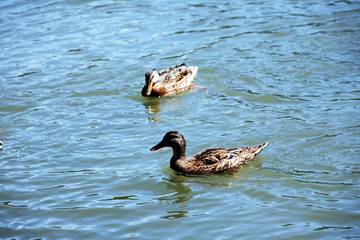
<point>173,80</point>
<point>214,160</point>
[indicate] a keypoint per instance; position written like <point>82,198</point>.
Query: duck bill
<point>149,89</point>
<point>157,147</point>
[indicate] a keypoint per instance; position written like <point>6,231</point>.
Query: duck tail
<point>181,64</point>
<point>193,70</point>
<point>259,148</point>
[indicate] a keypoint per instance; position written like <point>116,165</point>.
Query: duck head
<point>151,78</point>
<point>176,141</point>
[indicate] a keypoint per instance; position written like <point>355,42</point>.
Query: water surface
<point>77,132</point>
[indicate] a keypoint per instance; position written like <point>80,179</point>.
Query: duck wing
<point>213,156</point>
<point>216,160</point>
<point>168,70</point>
<point>219,159</point>
<point>174,74</point>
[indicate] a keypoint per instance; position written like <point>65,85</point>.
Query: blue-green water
<point>77,132</point>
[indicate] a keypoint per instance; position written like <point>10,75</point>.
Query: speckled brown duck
<point>214,160</point>
<point>168,81</point>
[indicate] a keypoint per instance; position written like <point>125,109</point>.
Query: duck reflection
<point>181,193</point>
<point>180,184</point>
<point>153,106</point>
<point>157,107</point>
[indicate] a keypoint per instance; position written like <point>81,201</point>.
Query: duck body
<point>214,160</point>
<point>168,81</point>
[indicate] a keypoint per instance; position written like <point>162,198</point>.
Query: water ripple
<point>77,132</point>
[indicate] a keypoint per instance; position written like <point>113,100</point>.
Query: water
<point>76,162</point>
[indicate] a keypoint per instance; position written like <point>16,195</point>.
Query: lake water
<point>77,132</point>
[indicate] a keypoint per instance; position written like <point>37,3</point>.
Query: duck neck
<point>179,152</point>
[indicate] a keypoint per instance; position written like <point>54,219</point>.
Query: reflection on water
<point>153,106</point>
<point>129,197</point>
<point>158,107</point>
<point>175,214</point>
<point>180,190</point>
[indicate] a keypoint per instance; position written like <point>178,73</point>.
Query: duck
<point>169,81</point>
<point>1,145</point>
<point>209,161</point>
